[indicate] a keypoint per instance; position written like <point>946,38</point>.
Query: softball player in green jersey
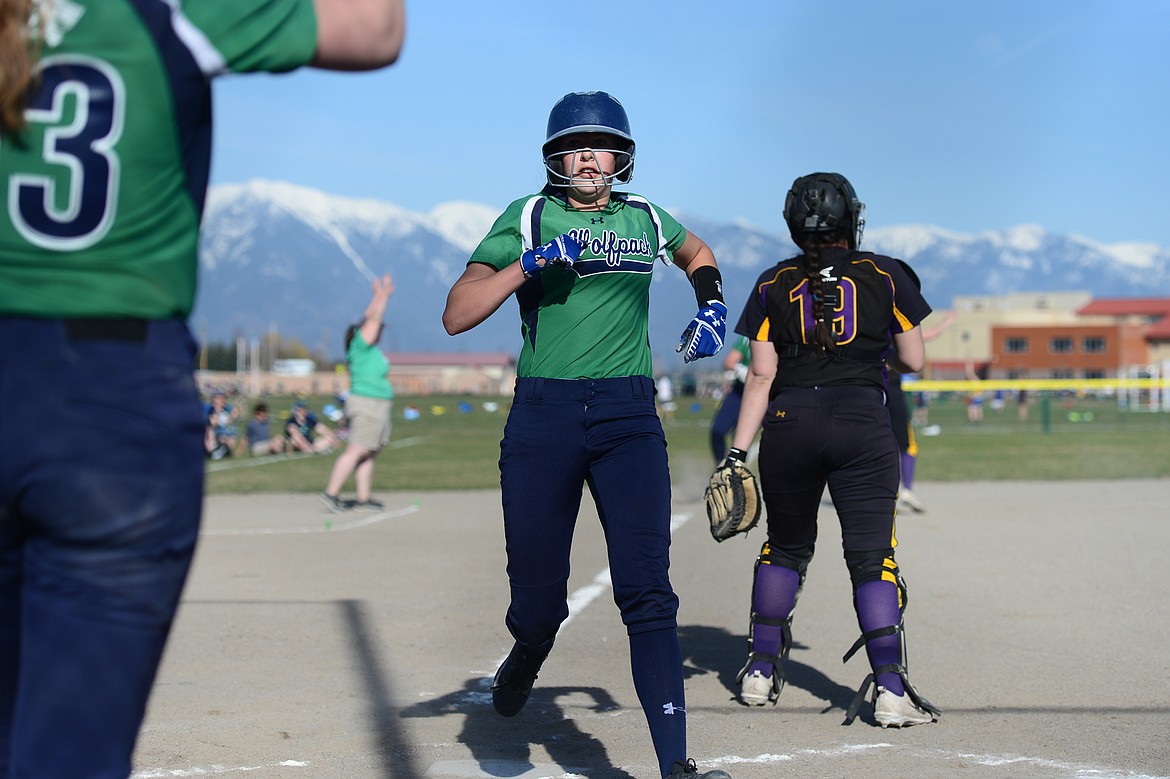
<point>579,258</point>
<point>105,129</point>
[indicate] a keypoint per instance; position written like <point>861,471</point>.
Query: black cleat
<point>513,682</point>
<point>689,770</point>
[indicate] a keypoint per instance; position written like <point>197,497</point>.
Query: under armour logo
<point>781,414</point>
<point>596,220</point>
<point>670,708</point>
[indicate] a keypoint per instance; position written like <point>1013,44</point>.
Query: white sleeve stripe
<point>209,58</point>
<point>526,237</point>
<point>663,254</point>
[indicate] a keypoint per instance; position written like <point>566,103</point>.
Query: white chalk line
<point>328,526</point>
<point>1071,770</point>
<point>213,770</point>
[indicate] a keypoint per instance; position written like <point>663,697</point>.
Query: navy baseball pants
<point>561,435</point>
<point>101,482</point>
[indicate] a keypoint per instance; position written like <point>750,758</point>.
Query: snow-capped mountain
<point>280,256</point>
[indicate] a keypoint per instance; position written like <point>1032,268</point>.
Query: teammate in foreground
<point>579,258</point>
<point>105,114</point>
<point>822,325</point>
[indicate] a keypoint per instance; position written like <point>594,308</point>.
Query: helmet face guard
<point>824,203</point>
<point>554,166</point>
<point>588,112</point>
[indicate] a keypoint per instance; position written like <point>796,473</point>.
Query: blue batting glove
<point>560,252</point>
<point>704,335</point>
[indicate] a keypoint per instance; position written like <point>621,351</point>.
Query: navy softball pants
<point>560,436</point>
<point>101,482</point>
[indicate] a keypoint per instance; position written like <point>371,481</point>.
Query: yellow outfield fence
<point>1071,385</point>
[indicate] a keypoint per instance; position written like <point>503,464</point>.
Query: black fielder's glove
<point>733,497</point>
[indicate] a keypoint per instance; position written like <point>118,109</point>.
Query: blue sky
<point>970,116</point>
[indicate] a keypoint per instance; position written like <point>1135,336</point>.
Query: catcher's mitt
<point>733,500</point>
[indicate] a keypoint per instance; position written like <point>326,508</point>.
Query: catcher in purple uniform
<point>822,326</point>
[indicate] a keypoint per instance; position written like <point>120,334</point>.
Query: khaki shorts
<point>369,421</point>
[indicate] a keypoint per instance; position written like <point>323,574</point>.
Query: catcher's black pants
<point>560,436</point>
<point>838,436</point>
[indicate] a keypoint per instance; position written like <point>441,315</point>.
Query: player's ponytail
<point>18,56</point>
<point>823,337</point>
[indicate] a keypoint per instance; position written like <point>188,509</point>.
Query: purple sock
<point>908,462</point>
<point>877,607</point>
<point>773,597</point>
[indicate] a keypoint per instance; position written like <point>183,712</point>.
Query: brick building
<point>1073,351</point>
<point>1065,335</point>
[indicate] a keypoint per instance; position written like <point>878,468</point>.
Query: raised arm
<point>376,311</point>
<point>358,34</point>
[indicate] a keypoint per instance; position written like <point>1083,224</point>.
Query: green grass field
<point>1077,438</point>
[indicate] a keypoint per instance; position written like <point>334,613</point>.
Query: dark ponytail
<point>824,302</point>
<point>18,60</point>
<point>823,333</point>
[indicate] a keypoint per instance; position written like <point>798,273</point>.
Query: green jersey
<point>590,321</point>
<point>368,369</point>
<point>104,188</point>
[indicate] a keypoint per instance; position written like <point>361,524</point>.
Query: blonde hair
<point>18,57</point>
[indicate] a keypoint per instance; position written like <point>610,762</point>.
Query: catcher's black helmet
<point>824,203</point>
<point>589,112</point>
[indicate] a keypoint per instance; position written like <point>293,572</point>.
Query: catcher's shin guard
<point>862,570</point>
<point>795,563</point>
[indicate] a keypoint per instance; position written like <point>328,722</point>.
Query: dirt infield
<point>359,645</point>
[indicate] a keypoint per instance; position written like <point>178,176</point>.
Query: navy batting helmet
<point>588,112</point>
<point>824,203</point>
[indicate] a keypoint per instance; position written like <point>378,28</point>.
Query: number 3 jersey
<point>103,190</point>
<point>868,299</point>
<point>590,321</point>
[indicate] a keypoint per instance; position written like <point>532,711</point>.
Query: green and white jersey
<point>590,321</point>
<point>368,369</point>
<point>104,189</point>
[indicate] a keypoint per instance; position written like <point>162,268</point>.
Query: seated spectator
<point>260,440</point>
<point>306,433</point>
<point>212,448</point>
<point>223,438</point>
